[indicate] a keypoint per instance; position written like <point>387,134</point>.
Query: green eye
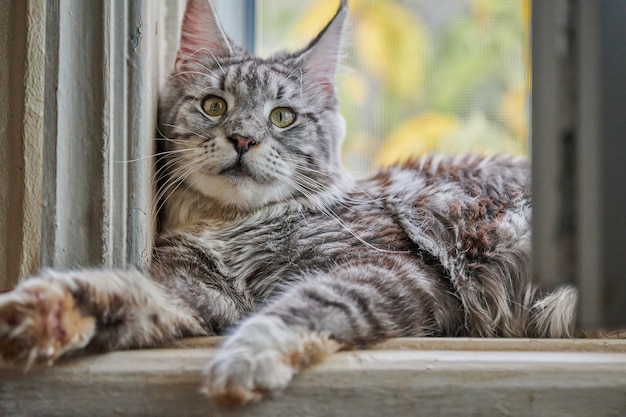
<point>282,117</point>
<point>214,106</point>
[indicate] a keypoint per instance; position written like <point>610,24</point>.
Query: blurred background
<point>419,76</point>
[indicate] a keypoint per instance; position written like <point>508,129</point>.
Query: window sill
<point>430,377</point>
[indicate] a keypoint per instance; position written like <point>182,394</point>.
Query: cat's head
<point>244,131</point>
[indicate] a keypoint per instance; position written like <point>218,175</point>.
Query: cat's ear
<point>320,58</point>
<point>201,32</point>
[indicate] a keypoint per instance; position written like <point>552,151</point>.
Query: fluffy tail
<point>554,315</point>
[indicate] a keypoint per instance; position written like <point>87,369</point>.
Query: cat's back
<point>460,207</point>
<point>497,179</point>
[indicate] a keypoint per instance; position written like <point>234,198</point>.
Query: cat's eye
<point>214,106</point>
<point>282,117</point>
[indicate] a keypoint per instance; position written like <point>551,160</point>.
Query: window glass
<point>420,76</point>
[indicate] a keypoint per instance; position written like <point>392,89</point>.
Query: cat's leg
<point>352,305</point>
<point>57,312</point>
<point>262,357</point>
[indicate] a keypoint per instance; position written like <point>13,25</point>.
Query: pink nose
<point>241,143</point>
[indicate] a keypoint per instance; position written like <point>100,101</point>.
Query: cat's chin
<point>236,187</point>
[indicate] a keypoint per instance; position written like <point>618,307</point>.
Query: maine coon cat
<point>264,230</point>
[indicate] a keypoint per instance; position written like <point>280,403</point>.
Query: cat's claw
<point>260,359</point>
<point>39,322</point>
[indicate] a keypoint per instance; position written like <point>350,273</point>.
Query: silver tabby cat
<point>263,228</point>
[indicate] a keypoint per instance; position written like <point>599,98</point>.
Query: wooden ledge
<point>403,377</point>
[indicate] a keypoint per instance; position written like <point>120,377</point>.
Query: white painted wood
<point>11,116</point>
<point>102,86</point>
<point>4,143</point>
<point>79,136</point>
<point>33,136</point>
<point>405,377</point>
<point>142,61</point>
<point>170,18</point>
<point>22,40</point>
<point>49,198</point>
<point>615,345</point>
<point>115,126</point>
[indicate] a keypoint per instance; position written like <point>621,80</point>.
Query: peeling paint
<point>136,36</point>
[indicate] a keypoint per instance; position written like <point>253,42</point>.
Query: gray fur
<point>455,230</point>
<point>436,247</point>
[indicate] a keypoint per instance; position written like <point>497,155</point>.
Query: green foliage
<point>429,76</point>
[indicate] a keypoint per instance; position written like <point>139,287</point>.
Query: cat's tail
<point>601,333</point>
<point>554,315</point>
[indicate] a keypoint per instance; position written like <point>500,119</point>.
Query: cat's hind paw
<point>39,322</point>
<point>260,359</point>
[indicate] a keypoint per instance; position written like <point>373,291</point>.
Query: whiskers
<point>327,192</point>
<point>181,129</point>
<point>322,196</point>
<point>174,166</point>
<point>317,181</point>
<point>150,157</point>
<point>172,173</point>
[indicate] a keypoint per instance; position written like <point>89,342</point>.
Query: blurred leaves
<point>431,76</point>
<point>417,135</point>
<point>389,43</point>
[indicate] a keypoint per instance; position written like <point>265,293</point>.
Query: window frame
<point>578,177</point>
<point>402,377</point>
<point>86,187</point>
<point>454,376</point>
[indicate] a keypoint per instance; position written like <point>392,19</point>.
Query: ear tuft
<point>320,58</point>
<point>201,32</point>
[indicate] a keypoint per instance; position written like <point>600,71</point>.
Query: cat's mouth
<point>236,170</point>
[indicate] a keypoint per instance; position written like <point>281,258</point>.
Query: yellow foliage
<point>356,87</point>
<point>477,134</point>
<point>415,137</point>
<point>315,18</point>
<point>513,111</point>
<point>389,41</point>
<point>393,52</point>
<point>357,154</point>
<point>526,14</point>
<point>391,44</point>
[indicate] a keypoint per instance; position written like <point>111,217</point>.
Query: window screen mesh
<point>419,76</point>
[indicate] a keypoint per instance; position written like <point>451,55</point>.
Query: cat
<point>265,234</point>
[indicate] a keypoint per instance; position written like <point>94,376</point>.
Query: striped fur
<point>269,229</point>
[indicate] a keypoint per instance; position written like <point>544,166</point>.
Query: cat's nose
<point>241,143</point>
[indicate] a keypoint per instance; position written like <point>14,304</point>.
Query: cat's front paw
<point>244,375</point>
<point>39,322</point>
<point>261,358</point>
